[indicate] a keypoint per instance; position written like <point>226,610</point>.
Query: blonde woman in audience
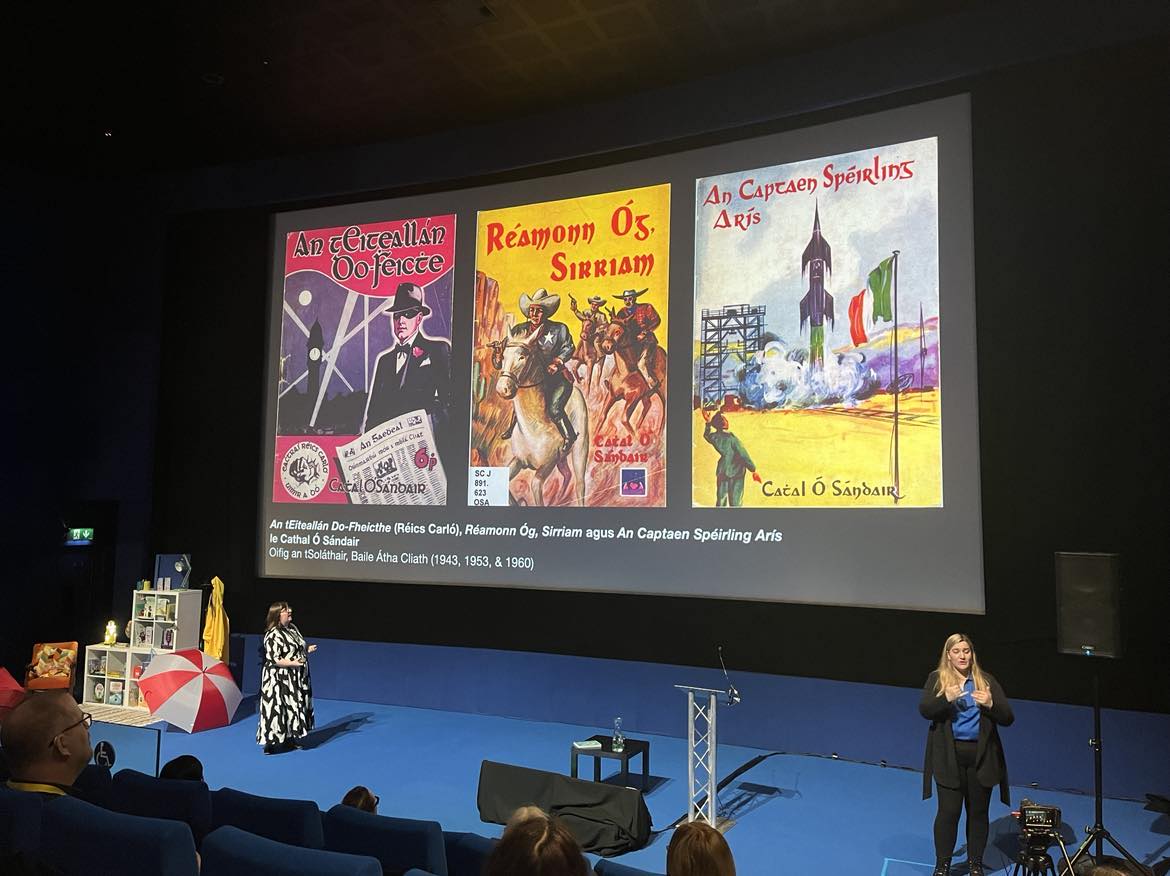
<point>697,849</point>
<point>536,844</point>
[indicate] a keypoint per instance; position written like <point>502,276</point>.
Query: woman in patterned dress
<point>286,690</point>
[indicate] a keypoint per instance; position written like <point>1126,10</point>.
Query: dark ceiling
<point>127,87</point>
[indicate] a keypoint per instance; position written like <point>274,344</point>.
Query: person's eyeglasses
<point>407,314</point>
<point>377,799</point>
<point>86,719</point>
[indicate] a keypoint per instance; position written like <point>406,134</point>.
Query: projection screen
<point>742,371</point>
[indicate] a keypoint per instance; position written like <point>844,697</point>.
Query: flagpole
<point>921,350</point>
<point>894,341</point>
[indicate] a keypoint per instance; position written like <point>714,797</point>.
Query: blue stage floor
<point>794,814</point>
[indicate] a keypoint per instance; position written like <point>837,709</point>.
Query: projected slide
<point>568,393</point>
<point>364,374</point>
<point>817,333</point>
<point>599,385</point>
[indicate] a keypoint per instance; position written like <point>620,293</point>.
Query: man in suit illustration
<point>415,373</point>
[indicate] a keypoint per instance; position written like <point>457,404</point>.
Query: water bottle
<point>619,739</point>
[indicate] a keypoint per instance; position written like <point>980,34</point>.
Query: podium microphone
<point>733,696</point>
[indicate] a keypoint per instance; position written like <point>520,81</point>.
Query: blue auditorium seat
<point>399,843</point>
<point>466,852</point>
<point>182,800</point>
<point>20,822</point>
<point>296,822</point>
<point>78,837</point>
<point>229,851</point>
<point>612,868</point>
<point>94,785</point>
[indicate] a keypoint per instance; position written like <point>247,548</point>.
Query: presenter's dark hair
<point>274,611</point>
<point>697,849</point>
<point>537,846</point>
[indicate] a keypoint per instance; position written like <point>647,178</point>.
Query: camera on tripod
<point>1039,828</point>
<point>1039,824</point>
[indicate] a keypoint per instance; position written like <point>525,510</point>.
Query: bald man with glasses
<point>46,742</point>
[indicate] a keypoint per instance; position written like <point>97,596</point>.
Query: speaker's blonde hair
<point>948,677</point>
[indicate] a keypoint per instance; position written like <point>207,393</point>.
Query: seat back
<point>612,868</point>
<point>96,786</point>
<point>78,837</point>
<point>182,800</point>
<point>229,851</point>
<point>466,852</point>
<point>398,843</point>
<point>295,822</point>
<point>20,822</point>
<point>51,667</point>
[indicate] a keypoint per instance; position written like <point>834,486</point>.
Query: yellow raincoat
<point>216,628</point>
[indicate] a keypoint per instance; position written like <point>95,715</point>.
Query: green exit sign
<point>81,533</point>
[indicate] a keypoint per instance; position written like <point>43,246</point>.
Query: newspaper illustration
<point>394,463</point>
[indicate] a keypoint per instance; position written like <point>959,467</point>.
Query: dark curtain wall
<point>81,307</point>
<point>1071,264</point>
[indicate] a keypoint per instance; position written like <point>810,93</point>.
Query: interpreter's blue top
<point>965,724</point>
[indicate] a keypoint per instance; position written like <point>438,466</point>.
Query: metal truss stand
<point>733,330</point>
<point>701,781</point>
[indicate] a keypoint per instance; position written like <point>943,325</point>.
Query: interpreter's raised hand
<point>953,693</point>
<point>312,648</point>
<point>983,697</point>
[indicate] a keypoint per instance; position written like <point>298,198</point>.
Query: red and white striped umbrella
<point>190,689</point>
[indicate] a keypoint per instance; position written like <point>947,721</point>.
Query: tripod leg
<point>1142,868</point>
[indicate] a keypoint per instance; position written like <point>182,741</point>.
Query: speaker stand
<point>1098,834</point>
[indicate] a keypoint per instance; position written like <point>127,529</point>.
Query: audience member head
<point>46,739</point>
<point>697,849</point>
<point>523,814</point>
<point>536,844</point>
<point>185,766</point>
<point>361,797</point>
<point>1108,866</point>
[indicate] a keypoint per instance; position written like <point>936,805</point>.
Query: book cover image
<point>569,360</point>
<point>364,370</point>
<point>817,332</point>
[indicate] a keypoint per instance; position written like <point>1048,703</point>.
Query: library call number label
<point>487,486</point>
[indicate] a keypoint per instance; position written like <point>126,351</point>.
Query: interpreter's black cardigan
<point>941,763</point>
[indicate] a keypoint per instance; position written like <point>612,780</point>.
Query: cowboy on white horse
<point>554,344</point>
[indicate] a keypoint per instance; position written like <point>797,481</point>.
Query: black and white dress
<point>286,692</point>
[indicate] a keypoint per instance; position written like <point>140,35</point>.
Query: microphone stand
<point>733,696</point>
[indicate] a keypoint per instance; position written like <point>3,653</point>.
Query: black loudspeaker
<point>605,819</point>
<point>1088,604</point>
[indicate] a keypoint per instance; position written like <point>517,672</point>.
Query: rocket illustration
<point>817,304</point>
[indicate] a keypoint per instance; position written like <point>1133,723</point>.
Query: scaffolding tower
<point>732,330</point>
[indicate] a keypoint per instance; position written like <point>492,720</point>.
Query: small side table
<point>632,747</point>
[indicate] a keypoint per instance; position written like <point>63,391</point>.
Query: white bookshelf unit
<point>161,621</point>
